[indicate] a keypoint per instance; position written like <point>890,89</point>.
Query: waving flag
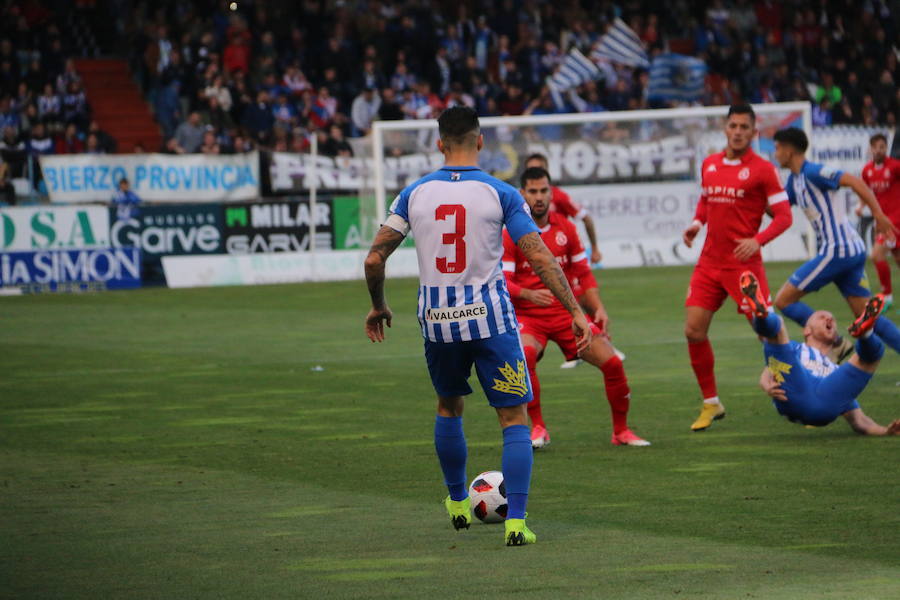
<point>676,77</point>
<point>621,45</point>
<point>574,70</point>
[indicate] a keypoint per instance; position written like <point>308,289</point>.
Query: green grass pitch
<point>252,443</point>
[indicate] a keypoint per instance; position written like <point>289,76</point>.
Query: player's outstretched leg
<point>764,321</point>
<point>869,319</point>
<point>450,445</point>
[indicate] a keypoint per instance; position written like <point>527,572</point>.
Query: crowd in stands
<point>273,73</point>
<point>43,107</point>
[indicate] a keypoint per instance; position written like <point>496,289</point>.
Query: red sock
<point>617,392</point>
<point>534,407</point>
<point>884,275</point>
<point>703,361</point>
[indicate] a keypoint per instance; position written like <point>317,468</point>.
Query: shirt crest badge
<point>744,174</point>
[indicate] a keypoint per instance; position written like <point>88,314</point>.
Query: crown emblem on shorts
<point>779,369</point>
<point>514,382</point>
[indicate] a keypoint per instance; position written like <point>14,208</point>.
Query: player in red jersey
<point>561,202</point>
<point>882,175</point>
<point>738,187</point>
<point>543,318</point>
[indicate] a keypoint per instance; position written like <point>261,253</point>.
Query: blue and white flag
<point>574,70</point>
<point>621,45</point>
<point>676,77</point>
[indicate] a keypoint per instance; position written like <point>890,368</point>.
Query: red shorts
<point>556,326</point>
<point>709,287</point>
<point>881,241</point>
<point>577,290</point>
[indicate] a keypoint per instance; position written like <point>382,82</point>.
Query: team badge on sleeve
<point>513,382</point>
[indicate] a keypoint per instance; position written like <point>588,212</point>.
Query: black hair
<point>459,126</point>
<point>742,109</point>
<point>537,156</point>
<point>793,136</point>
<point>876,137</point>
<point>533,173</point>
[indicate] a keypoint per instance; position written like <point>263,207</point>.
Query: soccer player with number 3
<point>457,215</point>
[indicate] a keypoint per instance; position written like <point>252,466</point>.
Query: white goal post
<point>617,164</point>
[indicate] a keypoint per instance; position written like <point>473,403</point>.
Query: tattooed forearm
<point>545,266</point>
<point>386,241</point>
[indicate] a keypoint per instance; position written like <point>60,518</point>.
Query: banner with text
<point>153,177</point>
<point>30,228</point>
<point>264,227</point>
<point>168,230</point>
<point>87,269</point>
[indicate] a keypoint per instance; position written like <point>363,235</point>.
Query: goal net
<point>636,173</point>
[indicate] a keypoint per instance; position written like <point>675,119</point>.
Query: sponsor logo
<point>277,227</point>
<point>515,381</point>
<point>24,229</point>
<point>175,230</point>
<point>744,174</point>
<point>455,176</point>
<point>113,267</point>
<point>457,313</point>
<point>711,169</point>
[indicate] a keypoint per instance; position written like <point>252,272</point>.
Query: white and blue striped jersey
<point>810,189</point>
<point>457,215</point>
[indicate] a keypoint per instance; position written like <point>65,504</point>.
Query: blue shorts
<point>499,363</point>
<point>814,400</point>
<point>848,273</point>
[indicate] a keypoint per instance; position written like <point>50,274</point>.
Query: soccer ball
<point>488,494</point>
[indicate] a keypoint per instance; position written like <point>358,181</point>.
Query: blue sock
<point>517,460</point>
<point>869,348</point>
<point>450,444</point>
<point>768,327</point>
<point>888,332</point>
<point>798,312</point>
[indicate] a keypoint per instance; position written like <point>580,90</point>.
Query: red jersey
<point>885,183</point>
<point>561,239</point>
<point>562,203</point>
<point>733,199</point>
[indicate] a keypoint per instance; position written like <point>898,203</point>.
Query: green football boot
<point>460,512</point>
<point>517,533</point>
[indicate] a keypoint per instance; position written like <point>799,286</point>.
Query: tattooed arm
<point>545,266</point>
<point>386,241</point>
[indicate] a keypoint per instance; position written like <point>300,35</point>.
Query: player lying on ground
<point>841,257</point>
<point>543,318</point>
<point>806,386</point>
<point>882,175</point>
<point>737,188</point>
<point>457,215</point>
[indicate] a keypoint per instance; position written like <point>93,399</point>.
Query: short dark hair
<point>533,173</point>
<point>742,109</point>
<point>876,137</point>
<point>793,136</point>
<point>459,125</point>
<point>537,156</point>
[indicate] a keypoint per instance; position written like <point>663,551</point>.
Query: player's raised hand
<point>375,321</point>
<point>542,297</point>
<point>893,428</point>
<point>690,233</point>
<point>582,330</point>
<point>746,247</point>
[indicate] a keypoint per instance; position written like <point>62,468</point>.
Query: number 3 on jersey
<point>456,238</point>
